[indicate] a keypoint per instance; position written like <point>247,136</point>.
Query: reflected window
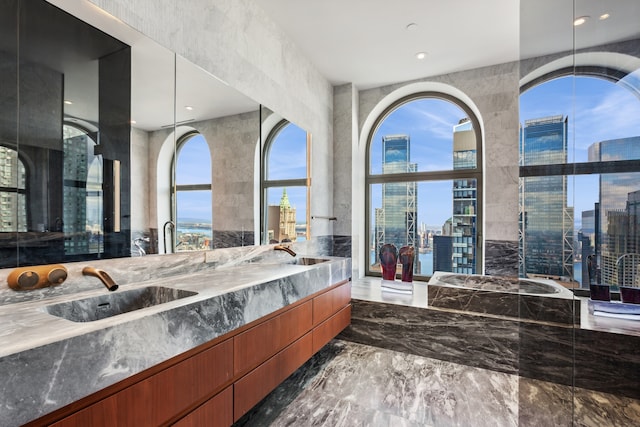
<point>424,184</point>
<point>286,184</point>
<point>579,185</point>
<point>13,187</point>
<point>82,220</point>
<point>193,196</point>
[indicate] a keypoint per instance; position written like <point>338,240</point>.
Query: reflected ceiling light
<point>66,101</point>
<point>188,107</point>
<point>604,16</point>
<point>580,20</point>
<point>133,122</point>
<point>412,26</point>
<point>421,55</point>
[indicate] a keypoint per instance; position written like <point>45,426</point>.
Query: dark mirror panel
<point>65,132</point>
<point>94,127</point>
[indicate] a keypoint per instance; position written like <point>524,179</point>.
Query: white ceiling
<point>366,42</point>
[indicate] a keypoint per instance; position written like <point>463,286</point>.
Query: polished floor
<point>349,384</point>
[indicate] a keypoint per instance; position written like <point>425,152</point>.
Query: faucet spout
<point>106,280</point>
<point>284,248</point>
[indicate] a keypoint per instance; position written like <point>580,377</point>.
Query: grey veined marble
<point>348,384</point>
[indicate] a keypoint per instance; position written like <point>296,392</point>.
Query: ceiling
<point>367,42</point>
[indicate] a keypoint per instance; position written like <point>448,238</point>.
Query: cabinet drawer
<point>331,327</point>
<point>216,412</point>
<point>257,344</point>
<point>327,304</point>
<point>254,386</point>
<point>161,397</point>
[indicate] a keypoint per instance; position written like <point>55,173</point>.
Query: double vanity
<point>202,338</point>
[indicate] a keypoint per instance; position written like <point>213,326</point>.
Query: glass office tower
<point>464,200</point>
<point>396,220</point>
<point>546,222</point>
<point>618,204</point>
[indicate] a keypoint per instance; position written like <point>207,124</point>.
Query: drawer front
<point>331,327</point>
<point>163,396</point>
<point>216,412</point>
<point>327,304</point>
<point>254,386</point>
<point>257,344</point>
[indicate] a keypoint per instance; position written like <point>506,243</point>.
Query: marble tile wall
<point>501,258</point>
<point>593,360</point>
<point>516,306</point>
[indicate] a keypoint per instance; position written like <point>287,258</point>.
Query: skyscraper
<point>546,222</point>
<point>617,204</point>
<point>396,220</point>
<point>464,200</point>
<point>282,220</point>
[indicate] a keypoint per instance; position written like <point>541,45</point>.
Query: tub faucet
<point>106,280</point>
<point>287,249</point>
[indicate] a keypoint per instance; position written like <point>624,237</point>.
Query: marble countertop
<point>47,362</point>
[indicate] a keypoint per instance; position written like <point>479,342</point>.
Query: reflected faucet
<point>138,244</point>
<point>172,226</point>
<point>102,275</point>
<point>624,273</point>
<point>287,249</point>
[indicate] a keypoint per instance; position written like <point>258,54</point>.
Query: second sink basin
<point>114,303</point>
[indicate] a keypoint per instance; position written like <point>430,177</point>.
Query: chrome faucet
<point>172,226</point>
<point>102,275</point>
<point>287,249</point>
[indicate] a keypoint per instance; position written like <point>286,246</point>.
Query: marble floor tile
<point>348,384</point>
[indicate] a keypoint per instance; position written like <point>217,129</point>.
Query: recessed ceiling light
<point>580,20</point>
<point>188,107</point>
<point>604,16</point>
<point>66,101</point>
<point>412,26</point>
<point>421,55</point>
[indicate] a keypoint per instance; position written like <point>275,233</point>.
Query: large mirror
<point>113,146</point>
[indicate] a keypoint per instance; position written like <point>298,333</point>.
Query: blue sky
<point>598,110</point>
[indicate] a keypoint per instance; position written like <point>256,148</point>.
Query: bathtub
<point>523,299</point>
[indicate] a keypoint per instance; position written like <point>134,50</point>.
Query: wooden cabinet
<point>254,386</point>
<point>216,412</point>
<point>159,398</point>
<point>219,382</point>
<point>252,347</point>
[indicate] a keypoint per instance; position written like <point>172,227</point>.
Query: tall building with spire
<point>282,220</point>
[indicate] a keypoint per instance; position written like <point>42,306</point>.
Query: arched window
<point>13,187</point>
<point>424,184</point>
<point>193,200</point>
<point>580,179</point>
<point>285,186</point>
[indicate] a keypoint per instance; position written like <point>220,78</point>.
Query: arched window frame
<point>176,188</point>
<point>266,183</point>
<point>570,170</point>
<point>425,176</point>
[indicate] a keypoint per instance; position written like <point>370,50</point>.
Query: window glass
<point>569,215</point>
<point>432,140</point>
<point>287,157</point>
<point>285,185</point>
<point>194,208</point>
<point>13,210</point>
<point>427,124</point>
